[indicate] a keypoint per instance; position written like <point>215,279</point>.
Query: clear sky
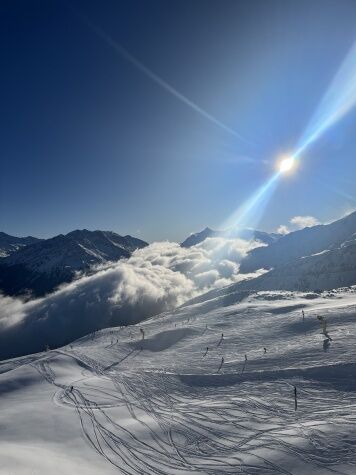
<point>142,141</point>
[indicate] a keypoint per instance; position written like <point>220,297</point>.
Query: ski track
<point>198,420</point>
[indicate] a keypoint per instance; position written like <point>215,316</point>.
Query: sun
<point>286,164</point>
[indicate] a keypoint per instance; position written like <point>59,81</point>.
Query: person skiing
<point>323,324</point>
<point>244,366</point>
<point>142,333</point>
<point>265,350</point>
<point>221,364</point>
<point>221,339</point>
<point>207,349</point>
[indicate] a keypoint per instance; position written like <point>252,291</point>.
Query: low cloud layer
<point>155,279</point>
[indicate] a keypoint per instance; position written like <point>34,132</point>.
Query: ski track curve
<point>198,420</point>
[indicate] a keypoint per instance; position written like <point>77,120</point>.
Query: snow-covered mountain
<point>235,384</point>
<point>248,234</point>
<point>328,269</point>
<point>42,266</point>
<point>10,244</point>
<point>301,243</point>
<point>325,270</point>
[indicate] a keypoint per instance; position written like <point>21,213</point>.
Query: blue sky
<point>89,140</point>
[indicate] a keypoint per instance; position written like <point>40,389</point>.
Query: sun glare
<point>286,164</point>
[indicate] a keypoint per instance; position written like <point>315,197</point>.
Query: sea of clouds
<point>157,278</point>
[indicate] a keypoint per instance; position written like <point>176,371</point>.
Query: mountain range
<point>247,234</point>
<point>42,265</point>
<point>10,244</point>
<point>314,258</point>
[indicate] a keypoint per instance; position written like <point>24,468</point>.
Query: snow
<point>159,406</point>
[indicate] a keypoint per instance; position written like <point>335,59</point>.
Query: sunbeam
<point>250,212</point>
<point>338,100</point>
<point>124,53</point>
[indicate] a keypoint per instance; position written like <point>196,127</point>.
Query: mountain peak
<point>44,265</point>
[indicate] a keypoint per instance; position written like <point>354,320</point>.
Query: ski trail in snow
<point>157,407</point>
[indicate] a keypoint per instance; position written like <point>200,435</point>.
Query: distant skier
<point>207,349</point>
<point>264,351</point>
<point>244,366</point>
<point>221,364</point>
<point>303,315</point>
<point>142,333</point>
<point>221,339</point>
<point>323,324</point>
<point>295,399</point>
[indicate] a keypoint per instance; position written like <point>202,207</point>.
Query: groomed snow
<point>159,406</point>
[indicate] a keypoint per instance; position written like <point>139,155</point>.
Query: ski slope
<point>111,403</point>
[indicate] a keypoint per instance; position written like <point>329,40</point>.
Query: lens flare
<point>286,164</point>
<point>338,100</point>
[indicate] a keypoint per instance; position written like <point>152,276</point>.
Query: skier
<point>323,323</point>
<point>207,349</point>
<point>295,399</point>
<point>303,315</point>
<point>221,339</point>
<point>222,362</point>
<point>244,366</point>
<point>142,333</point>
<point>265,350</point>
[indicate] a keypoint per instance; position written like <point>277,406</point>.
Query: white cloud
<point>298,222</point>
<point>301,222</point>
<point>154,279</point>
<point>283,229</point>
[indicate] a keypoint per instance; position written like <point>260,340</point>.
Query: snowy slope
<point>10,244</point>
<point>322,271</point>
<point>301,243</point>
<point>42,266</point>
<point>111,403</point>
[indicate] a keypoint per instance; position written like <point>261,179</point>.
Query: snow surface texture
<point>155,279</point>
<point>114,403</point>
